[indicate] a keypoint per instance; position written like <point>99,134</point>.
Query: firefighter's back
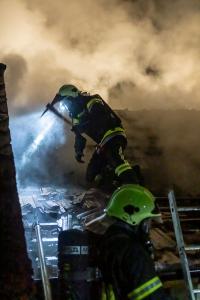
<point>127,266</point>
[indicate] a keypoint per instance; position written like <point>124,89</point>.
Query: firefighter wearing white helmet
<point>92,116</point>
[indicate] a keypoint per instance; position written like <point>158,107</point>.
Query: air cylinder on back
<point>79,276</point>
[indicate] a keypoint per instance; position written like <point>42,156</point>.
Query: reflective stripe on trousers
<point>122,168</point>
<point>107,293</point>
<point>145,289</point>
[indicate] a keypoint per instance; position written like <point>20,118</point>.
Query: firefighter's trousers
<point>112,154</point>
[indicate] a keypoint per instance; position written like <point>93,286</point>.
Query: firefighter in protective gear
<point>127,268</point>
<point>92,116</point>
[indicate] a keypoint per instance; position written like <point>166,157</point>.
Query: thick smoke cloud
<point>150,49</point>
<point>137,54</point>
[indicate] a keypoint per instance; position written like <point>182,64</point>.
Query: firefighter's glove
<point>78,157</point>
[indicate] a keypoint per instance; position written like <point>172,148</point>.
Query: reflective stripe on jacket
<point>145,289</point>
<point>95,119</point>
<point>92,102</point>
<point>77,120</point>
<point>110,134</point>
<point>122,168</point>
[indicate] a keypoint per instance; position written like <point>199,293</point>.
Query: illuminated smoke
<point>41,148</point>
<point>47,126</point>
<point>137,54</point>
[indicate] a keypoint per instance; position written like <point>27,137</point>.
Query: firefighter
<point>92,116</point>
<point>124,259</point>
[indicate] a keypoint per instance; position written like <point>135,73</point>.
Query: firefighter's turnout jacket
<point>126,266</point>
<point>93,117</point>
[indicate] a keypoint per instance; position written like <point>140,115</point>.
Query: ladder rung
<point>49,258</point>
<point>188,208</point>
<point>192,248</point>
<point>196,291</point>
<point>48,224</point>
<point>55,239</point>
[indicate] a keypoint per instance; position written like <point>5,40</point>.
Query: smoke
<point>43,152</point>
<point>16,73</point>
<point>150,49</point>
<point>164,144</point>
<point>137,54</point>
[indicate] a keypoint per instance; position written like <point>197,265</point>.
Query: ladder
<point>182,249</point>
<point>43,267</point>
<point>66,223</point>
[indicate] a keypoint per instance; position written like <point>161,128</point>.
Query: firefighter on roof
<point>92,116</point>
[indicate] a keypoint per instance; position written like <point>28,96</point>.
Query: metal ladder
<point>43,267</point>
<point>66,223</point>
<point>182,249</point>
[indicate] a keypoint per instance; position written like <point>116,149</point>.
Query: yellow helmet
<point>132,204</point>
<point>68,90</point>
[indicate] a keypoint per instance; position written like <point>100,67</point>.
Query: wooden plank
<point>161,240</point>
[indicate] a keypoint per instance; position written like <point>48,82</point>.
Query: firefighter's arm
<point>79,146</point>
